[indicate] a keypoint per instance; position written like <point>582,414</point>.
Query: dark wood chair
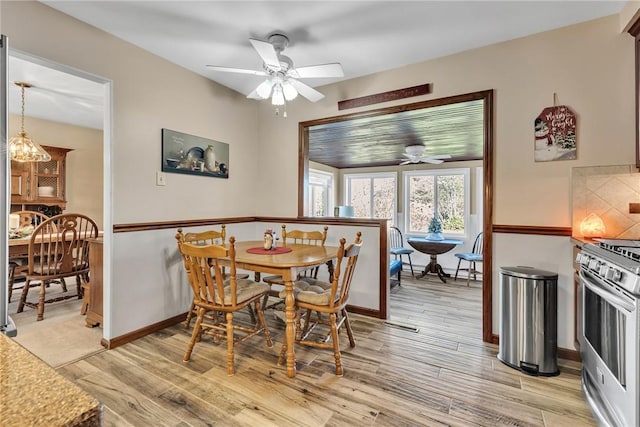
<point>18,266</point>
<point>397,247</point>
<point>326,298</point>
<point>212,295</point>
<point>58,248</point>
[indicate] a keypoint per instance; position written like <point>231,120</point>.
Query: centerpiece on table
<point>435,230</point>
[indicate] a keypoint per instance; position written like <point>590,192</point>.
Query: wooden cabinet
<point>40,183</point>
<point>94,312</point>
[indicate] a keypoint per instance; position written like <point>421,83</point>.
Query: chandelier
<point>21,147</point>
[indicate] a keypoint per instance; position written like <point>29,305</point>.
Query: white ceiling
<point>364,36</point>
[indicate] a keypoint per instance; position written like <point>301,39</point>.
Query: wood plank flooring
<point>426,366</point>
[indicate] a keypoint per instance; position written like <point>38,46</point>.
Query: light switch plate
<point>160,178</point>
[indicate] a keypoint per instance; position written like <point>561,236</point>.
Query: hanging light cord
<point>22,116</point>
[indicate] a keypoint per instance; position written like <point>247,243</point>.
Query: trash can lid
<point>528,272</point>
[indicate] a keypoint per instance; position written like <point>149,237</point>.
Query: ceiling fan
<point>281,81</point>
<point>415,154</point>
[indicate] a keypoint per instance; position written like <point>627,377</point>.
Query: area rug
<point>62,336</point>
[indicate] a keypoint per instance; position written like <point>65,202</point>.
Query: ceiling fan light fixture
<point>414,150</point>
<point>264,89</point>
<point>21,147</point>
<point>278,96</point>
<point>289,91</point>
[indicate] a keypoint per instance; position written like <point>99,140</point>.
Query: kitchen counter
<point>34,394</point>
<point>579,241</point>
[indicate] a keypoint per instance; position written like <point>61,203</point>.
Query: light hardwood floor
<point>426,366</point>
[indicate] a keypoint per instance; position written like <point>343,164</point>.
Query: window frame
<point>371,176</point>
<point>324,179</point>
<point>465,172</point>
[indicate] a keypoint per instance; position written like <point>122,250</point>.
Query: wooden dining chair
<point>58,248</point>
<point>209,237</point>
<point>204,270</point>
<point>18,266</point>
<point>326,298</point>
<point>302,237</point>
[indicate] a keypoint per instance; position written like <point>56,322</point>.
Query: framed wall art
<point>194,155</point>
<point>555,134</point>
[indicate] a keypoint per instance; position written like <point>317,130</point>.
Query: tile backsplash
<point>607,192</point>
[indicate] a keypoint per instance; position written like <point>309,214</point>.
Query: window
<point>372,195</point>
<point>320,193</point>
<point>440,192</point>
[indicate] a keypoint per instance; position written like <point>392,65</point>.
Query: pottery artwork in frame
<point>194,155</point>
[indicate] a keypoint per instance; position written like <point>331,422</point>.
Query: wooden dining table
<point>288,265</point>
<point>20,246</point>
<point>433,248</point>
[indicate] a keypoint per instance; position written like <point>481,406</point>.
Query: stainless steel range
<point>609,330</point>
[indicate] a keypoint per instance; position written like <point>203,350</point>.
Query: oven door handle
<point>595,285</point>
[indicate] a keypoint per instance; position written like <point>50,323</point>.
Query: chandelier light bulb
<point>278,96</point>
<point>264,89</point>
<point>289,91</point>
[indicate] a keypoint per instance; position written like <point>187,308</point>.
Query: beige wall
<point>84,169</point>
<point>628,15</point>
<point>149,94</point>
<point>590,68</point>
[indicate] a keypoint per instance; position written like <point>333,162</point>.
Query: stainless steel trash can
<point>529,320</point>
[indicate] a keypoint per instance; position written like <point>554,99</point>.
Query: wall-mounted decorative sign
<point>555,134</point>
<point>183,153</point>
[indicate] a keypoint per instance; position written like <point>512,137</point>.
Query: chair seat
<point>401,251</point>
<point>470,257</point>
<point>245,290</point>
<point>395,266</point>
<point>316,292</point>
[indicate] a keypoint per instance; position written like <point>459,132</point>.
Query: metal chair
<point>396,246</point>
<point>471,257</point>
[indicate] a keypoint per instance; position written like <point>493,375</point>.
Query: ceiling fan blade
<point>267,52</point>
<point>406,162</point>
<point>236,70</point>
<point>318,71</point>
<point>307,91</point>
<point>254,95</point>
<point>439,156</point>
<point>432,160</point>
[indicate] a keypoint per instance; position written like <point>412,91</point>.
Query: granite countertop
<point>33,394</point>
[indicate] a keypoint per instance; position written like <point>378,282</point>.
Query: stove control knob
<point>616,274</point>
<point>610,273</point>
<point>584,259</point>
<point>603,269</point>
<point>593,264</point>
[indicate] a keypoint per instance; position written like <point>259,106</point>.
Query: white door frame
<point>107,147</point>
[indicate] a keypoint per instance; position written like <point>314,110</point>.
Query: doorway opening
<point>69,111</point>
<point>393,152</point>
